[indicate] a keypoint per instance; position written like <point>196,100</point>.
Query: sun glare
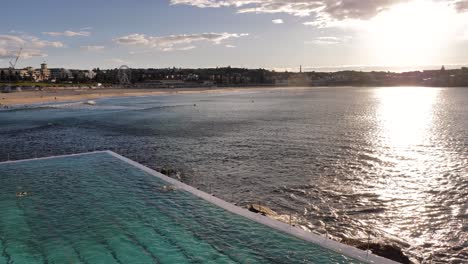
<point>405,114</point>
<point>414,33</point>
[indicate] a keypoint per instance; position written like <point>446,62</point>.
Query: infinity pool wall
<point>103,208</point>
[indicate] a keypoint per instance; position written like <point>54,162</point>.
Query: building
<point>28,73</point>
<point>174,84</point>
<point>89,74</point>
<point>43,73</point>
<point>57,74</point>
<point>299,79</point>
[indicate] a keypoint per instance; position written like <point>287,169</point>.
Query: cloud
<point>293,7</point>
<point>350,14</point>
<point>39,43</point>
<point>4,53</point>
<point>324,41</point>
<point>230,46</point>
<point>134,39</point>
<point>29,53</point>
<point>173,42</point>
<point>118,61</point>
<point>187,48</point>
<point>31,45</point>
<point>357,9</point>
<point>135,52</point>
<point>6,40</point>
<point>25,54</point>
<point>325,10</point>
<point>68,33</point>
<point>329,40</point>
<point>92,48</point>
<point>277,21</point>
<point>462,6</point>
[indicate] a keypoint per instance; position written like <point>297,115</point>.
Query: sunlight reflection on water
<point>407,129</point>
<point>405,114</point>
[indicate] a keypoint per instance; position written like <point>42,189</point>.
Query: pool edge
<point>57,156</point>
<point>335,246</point>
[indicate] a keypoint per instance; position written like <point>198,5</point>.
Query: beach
<point>48,95</point>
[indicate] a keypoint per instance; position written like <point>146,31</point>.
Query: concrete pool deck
<point>335,246</point>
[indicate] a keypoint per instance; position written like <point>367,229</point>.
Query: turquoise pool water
<point>96,208</point>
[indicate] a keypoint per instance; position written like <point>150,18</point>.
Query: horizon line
<point>329,68</point>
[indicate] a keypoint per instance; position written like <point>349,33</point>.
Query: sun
<point>410,34</point>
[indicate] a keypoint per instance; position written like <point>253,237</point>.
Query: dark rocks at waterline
<point>170,172</point>
<point>388,251</point>
<point>265,211</point>
<point>259,209</point>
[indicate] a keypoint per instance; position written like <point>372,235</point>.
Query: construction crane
<point>13,65</point>
<point>8,89</point>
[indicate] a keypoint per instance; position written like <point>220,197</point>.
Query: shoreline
<point>53,95</point>
<point>75,94</point>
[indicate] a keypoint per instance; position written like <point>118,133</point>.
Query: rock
<point>287,219</point>
<point>389,251</point>
<point>170,172</point>
<point>260,209</point>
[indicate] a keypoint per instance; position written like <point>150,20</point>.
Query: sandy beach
<point>67,94</point>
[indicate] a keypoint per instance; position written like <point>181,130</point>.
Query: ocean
<point>388,165</point>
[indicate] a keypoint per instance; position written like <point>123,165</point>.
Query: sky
<point>320,35</point>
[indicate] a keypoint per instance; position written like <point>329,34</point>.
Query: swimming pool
<point>103,208</point>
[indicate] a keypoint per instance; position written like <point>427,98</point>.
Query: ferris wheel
<point>124,75</point>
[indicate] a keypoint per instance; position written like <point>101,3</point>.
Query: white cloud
<point>32,46</point>
<point>3,53</point>
<point>328,40</point>
<point>173,42</point>
<point>187,48</point>
<point>324,41</point>
<point>322,10</point>
<point>293,7</point>
<point>68,33</point>
<point>230,46</point>
<point>25,53</point>
<point>29,53</point>
<point>118,61</point>
<point>10,40</point>
<point>39,43</point>
<point>135,52</point>
<point>92,48</point>
<point>338,9</point>
<point>179,48</point>
<point>277,21</point>
<point>134,39</point>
